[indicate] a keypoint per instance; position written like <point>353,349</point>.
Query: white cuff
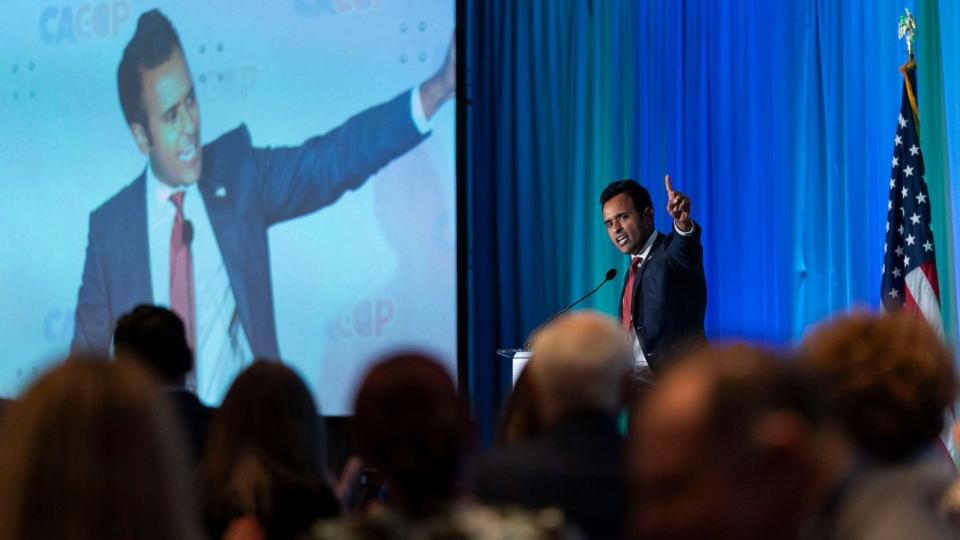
<point>416,112</point>
<point>685,233</point>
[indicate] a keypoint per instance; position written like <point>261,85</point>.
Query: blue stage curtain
<point>776,118</point>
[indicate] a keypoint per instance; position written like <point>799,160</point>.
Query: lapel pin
<point>220,193</point>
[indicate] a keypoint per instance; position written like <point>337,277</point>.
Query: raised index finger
<point>668,185</point>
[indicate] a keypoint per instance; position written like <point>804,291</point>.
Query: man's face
<point>172,135</point>
<point>627,228</point>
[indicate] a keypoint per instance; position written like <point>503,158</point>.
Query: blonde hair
<point>91,452</point>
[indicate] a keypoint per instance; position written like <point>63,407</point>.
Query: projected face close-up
<point>172,135</point>
<point>312,220</point>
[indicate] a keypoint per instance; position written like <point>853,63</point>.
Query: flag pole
<point>907,29</point>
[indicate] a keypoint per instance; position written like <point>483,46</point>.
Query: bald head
<point>579,363</point>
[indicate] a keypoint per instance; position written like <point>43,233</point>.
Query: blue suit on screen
<point>245,190</point>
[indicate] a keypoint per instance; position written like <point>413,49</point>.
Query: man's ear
<point>139,133</point>
<point>648,215</point>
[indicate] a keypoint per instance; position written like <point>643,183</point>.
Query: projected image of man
<point>191,230</point>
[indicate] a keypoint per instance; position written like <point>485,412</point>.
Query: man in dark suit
<point>664,296</point>
<point>191,230</point>
<point>579,368</point>
<point>155,337</point>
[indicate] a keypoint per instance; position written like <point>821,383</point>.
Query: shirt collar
<point>162,191</point>
<point>647,246</point>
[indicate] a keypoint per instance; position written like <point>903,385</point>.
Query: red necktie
<point>181,271</point>
<point>626,313</point>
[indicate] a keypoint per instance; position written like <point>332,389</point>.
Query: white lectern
<point>518,359</point>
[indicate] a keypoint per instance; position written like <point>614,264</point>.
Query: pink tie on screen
<point>626,313</point>
<point>181,270</point>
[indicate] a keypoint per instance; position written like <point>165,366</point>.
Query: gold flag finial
<point>907,29</point>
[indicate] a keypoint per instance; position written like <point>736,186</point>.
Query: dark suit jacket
<point>245,190</point>
<point>576,465</point>
<point>670,298</point>
<point>194,418</point>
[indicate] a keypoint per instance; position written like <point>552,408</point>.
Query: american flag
<point>909,259</point>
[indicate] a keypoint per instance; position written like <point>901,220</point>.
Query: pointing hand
<point>678,206</point>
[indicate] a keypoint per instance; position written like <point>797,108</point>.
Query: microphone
<point>187,232</point>
<point>611,273</point>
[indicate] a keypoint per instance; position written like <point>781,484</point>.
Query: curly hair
<point>891,376</point>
